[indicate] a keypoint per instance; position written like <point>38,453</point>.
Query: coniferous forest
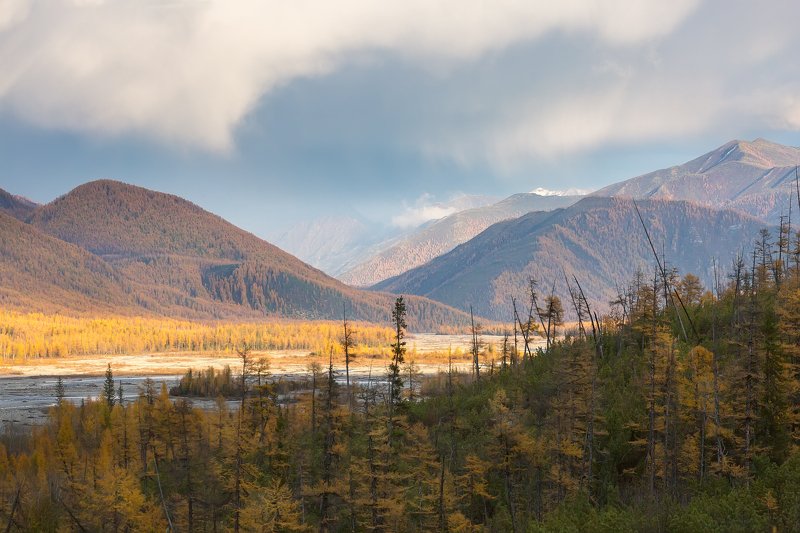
<point>677,410</point>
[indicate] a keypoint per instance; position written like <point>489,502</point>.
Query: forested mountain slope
<point>173,258</point>
<point>598,240</point>
<point>46,274</point>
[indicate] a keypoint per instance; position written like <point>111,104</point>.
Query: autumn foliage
<point>36,335</point>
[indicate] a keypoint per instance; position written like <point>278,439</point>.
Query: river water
<point>25,401</point>
<point>26,397</point>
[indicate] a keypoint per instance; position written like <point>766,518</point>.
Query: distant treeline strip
<point>38,335</point>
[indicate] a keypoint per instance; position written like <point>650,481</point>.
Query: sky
<point>270,112</point>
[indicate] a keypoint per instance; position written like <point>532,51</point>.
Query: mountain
<point>149,252</point>
<point>599,240</point>
<point>755,177</point>
<point>335,244</point>
<point>16,206</point>
<point>440,236</point>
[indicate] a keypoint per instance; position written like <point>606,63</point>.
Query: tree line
<point>36,335</point>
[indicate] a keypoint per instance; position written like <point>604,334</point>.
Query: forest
<point>678,410</point>
<point>37,335</point>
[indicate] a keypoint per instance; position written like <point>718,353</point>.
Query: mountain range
<point>337,244</point>
<point>440,236</point>
<point>600,241</point>
<point>108,247</point>
<point>708,208</point>
<point>112,247</point>
<point>753,177</point>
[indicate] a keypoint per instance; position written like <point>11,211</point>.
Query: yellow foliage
<point>36,335</point>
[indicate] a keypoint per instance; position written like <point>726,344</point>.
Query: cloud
<point>12,12</point>
<point>585,121</point>
<point>572,191</point>
<point>728,70</point>
<point>423,210</point>
<point>188,72</point>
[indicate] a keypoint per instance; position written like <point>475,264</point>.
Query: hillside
<point>168,256</point>
<point>43,273</point>
<point>755,177</point>
<point>599,240</point>
<point>438,237</point>
<point>16,206</point>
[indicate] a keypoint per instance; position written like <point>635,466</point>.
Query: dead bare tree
<point>668,290</point>
<point>244,355</point>
<point>347,345</point>
<point>524,330</point>
<point>475,332</point>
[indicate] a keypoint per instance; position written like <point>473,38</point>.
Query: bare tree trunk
<point>475,347</point>
<point>524,330</point>
<point>347,344</point>
<point>651,409</point>
<point>237,491</point>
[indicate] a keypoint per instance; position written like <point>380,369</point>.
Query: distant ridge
<point>16,206</point>
<point>332,242</point>
<point>337,243</point>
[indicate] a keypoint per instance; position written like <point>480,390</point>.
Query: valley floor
<point>428,351</point>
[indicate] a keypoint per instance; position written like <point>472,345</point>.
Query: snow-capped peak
<point>568,192</point>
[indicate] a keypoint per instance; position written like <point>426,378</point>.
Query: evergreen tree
<point>60,391</point>
<point>109,390</point>
<point>398,356</point>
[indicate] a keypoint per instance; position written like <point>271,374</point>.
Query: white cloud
<point>584,121</point>
<point>729,70</point>
<point>423,210</point>
<point>572,191</point>
<point>188,72</point>
<point>12,12</point>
